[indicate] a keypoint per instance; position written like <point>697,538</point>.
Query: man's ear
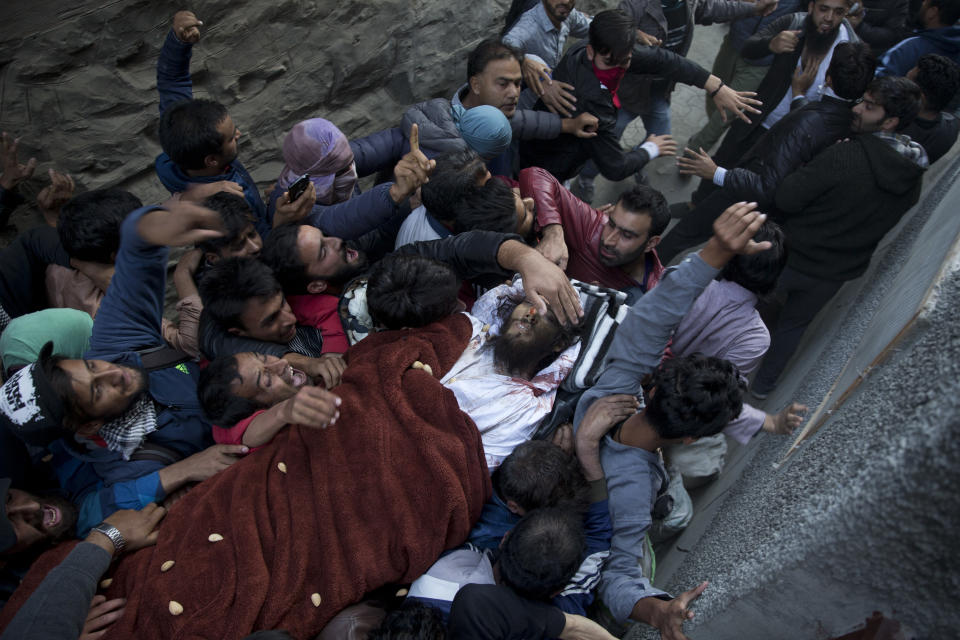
<point>90,428</point>
<point>475,85</point>
<point>590,53</point>
<point>317,286</point>
<point>211,257</point>
<point>652,243</point>
<point>237,331</point>
<point>890,124</point>
<point>515,508</point>
<point>212,161</point>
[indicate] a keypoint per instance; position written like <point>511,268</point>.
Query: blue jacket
<point>98,480</point>
<point>351,218</point>
<point>903,57</point>
<point>174,85</point>
<point>496,520</point>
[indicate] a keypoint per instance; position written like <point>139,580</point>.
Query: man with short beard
<point>801,42</point>
<point>123,424</point>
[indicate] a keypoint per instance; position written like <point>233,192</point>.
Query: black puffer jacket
<point>791,143</point>
<point>566,155</point>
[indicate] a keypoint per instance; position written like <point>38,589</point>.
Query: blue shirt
<point>536,36</point>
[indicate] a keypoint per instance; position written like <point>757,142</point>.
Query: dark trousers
<point>797,300</point>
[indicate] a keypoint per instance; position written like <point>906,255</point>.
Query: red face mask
<point>611,80</point>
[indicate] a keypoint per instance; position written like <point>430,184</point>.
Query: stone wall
<point>78,81</point>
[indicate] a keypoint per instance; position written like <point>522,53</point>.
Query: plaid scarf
<point>906,147</point>
<point>126,433</point>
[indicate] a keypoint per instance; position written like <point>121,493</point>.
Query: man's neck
<point>927,114</point>
<point>636,269</point>
<point>207,171</point>
<point>470,101</point>
<point>638,432</point>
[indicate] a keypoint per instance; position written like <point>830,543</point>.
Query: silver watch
<point>119,544</point>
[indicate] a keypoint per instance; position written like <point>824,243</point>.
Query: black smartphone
<point>297,188</point>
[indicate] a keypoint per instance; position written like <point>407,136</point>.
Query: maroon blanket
<point>370,501</point>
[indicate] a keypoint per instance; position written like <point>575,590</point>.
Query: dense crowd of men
<point>467,388</point>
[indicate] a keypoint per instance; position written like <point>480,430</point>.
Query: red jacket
<point>582,225</point>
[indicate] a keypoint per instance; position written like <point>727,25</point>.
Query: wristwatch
<point>119,544</point>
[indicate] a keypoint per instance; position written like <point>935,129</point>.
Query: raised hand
<point>186,27</point>
<point>13,172</point>
<point>697,163</point>
<point>180,224</point>
<point>413,170</point>
<point>733,234</point>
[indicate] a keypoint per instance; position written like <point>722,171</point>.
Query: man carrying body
<point>615,249</point>
<point>101,415</point>
<point>691,397</point>
<point>838,208</point>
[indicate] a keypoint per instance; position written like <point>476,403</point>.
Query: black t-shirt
<point>675,11</point>
<point>494,612</point>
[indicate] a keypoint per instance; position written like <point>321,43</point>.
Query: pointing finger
<point>414,138</point>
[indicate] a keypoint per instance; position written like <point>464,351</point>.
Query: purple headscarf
<point>318,147</point>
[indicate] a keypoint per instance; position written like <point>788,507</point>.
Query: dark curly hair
<point>541,474</point>
<point>694,397</point>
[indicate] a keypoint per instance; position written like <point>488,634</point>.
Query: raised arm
<point>173,66</point>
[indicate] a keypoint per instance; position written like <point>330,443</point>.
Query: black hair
<point>188,132</point>
<point>939,79</point>
<point>410,291</point>
<point>227,286</point>
<point>215,392</point>
<point>457,172</point>
<point>271,634</point>
<point>643,199</point>
<point>759,272</point>
<point>492,207</point>
<point>566,335</point>
<point>613,34</point>
<point>487,51</point>
<point>540,474</point>
<point>949,10</point>
<point>542,553</point>
<point>236,216</point>
<point>89,224</point>
<point>412,620</point>
<point>851,69</point>
<point>62,385</point>
<point>695,396</point>
<point>899,97</point>
<point>280,254</point>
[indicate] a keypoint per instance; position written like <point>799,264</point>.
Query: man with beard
<point>123,424</point>
<point>833,228</point>
<point>614,248</point>
<point>29,524</point>
<point>801,42</point>
<point>244,309</point>
<point>506,379</point>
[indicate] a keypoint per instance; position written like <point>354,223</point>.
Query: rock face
<point>78,84</point>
